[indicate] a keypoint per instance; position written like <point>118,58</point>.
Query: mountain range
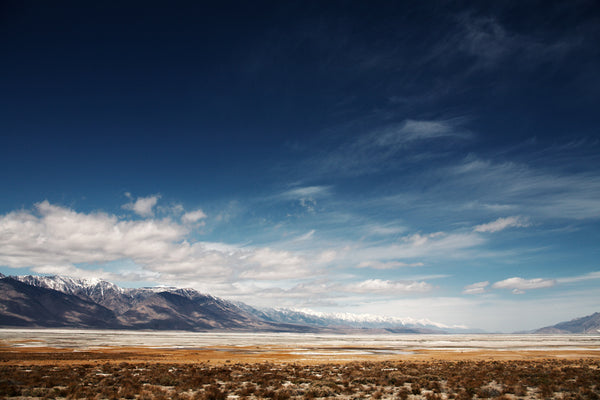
<point>589,324</point>
<point>60,301</point>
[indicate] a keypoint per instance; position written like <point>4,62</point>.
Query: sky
<point>422,159</point>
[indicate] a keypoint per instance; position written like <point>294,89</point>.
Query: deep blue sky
<point>426,159</point>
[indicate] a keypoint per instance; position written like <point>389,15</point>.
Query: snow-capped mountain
<point>373,320</point>
<point>355,321</point>
<point>143,308</point>
<point>175,308</point>
<point>70,285</point>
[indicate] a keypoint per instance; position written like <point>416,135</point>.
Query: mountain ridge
<point>183,308</point>
<point>583,325</point>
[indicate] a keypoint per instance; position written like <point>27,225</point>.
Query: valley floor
<point>30,371</point>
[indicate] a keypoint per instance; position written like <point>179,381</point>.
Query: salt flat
<point>296,343</point>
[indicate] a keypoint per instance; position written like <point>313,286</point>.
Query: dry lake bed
<point>61,363</point>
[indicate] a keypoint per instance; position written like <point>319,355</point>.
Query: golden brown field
<point>279,373</point>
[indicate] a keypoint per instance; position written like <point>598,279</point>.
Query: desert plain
<point>73,364</point>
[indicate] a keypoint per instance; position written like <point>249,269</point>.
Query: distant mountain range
<point>588,324</point>
<point>59,301</point>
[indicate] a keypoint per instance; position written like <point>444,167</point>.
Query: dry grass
<point>142,373</point>
<point>544,379</point>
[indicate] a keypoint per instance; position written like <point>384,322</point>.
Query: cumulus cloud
<point>519,285</point>
<point>193,216</point>
<point>503,223</point>
<point>476,288</point>
<point>387,286</point>
<point>54,239</point>
<point>142,206</point>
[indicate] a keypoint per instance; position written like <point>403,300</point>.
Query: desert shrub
<point>415,388</point>
<point>282,394</point>
<point>9,388</point>
<point>486,393</point>
<point>403,393</point>
<point>214,393</point>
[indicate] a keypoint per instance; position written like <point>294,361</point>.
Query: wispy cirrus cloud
<point>306,192</point>
<point>476,288</point>
<point>490,42</point>
<point>379,149</point>
<point>382,286</point>
<point>579,278</point>
<point>534,191</point>
<point>387,264</point>
<point>409,250</point>
<point>306,196</point>
<point>503,223</point>
<point>519,285</point>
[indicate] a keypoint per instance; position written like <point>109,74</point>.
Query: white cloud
<point>476,288</point>
<point>532,191</point>
<point>413,130</point>
<point>519,285</point>
<point>580,278</point>
<point>193,216</point>
<point>53,239</point>
<point>420,245</point>
<point>387,287</point>
<point>384,230</point>
<point>379,149</point>
<point>143,206</point>
<point>503,223</point>
<point>308,235</point>
<point>306,192</point>
<point>387,264</point>
<point>306,196</point>
<point>490,43</point>
<point>270,264</point>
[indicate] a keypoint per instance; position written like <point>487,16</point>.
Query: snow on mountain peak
<point>374,319</point>
<point>68,284</point>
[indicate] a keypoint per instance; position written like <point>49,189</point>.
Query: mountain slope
<point>22,304</point>
<point>587,324</point>
<point>49,300</point>
<point>67,300</point>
